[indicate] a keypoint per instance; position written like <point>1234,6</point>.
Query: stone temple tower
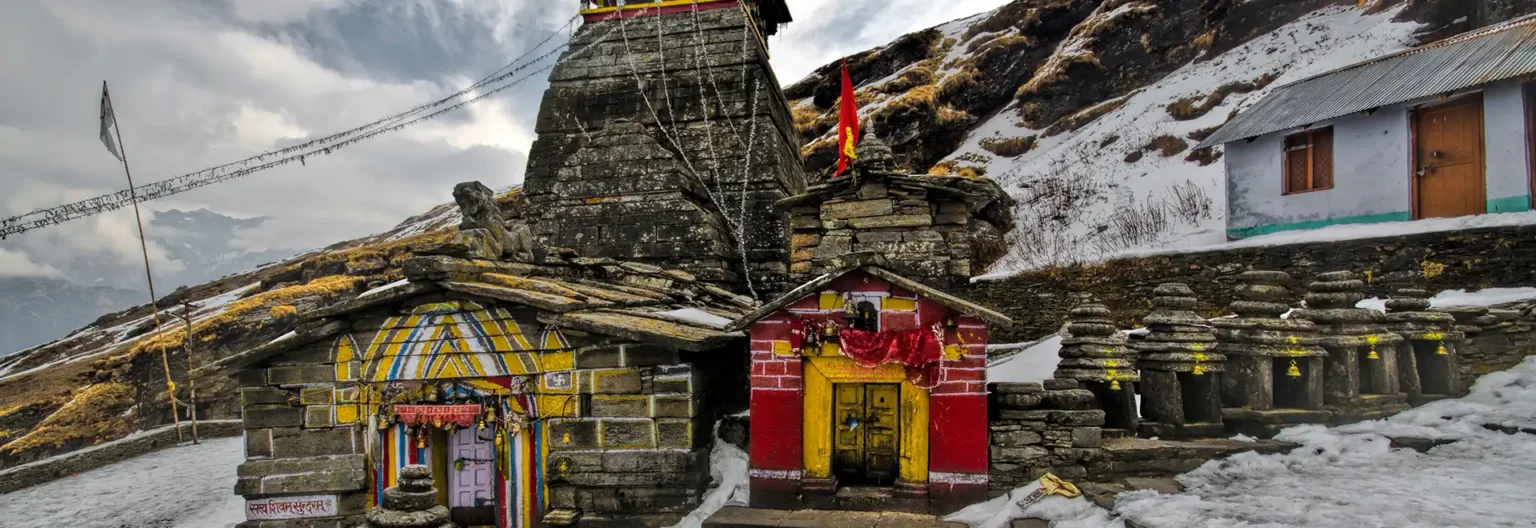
<point>664,138</point>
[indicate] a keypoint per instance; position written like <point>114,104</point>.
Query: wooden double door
<point>1448,159</point>
<point>866,435</point>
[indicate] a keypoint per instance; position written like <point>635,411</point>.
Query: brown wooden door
<point>882,455</point>
<point>848,428</point>
<point>866,432</point>
<point>1448,159</point>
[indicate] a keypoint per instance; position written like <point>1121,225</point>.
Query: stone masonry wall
<point>630,454</point>
<point>1039,300</point>
<point>920,236</point>
<point>1036,428</point>
<point>702,88</point>
<point>296,441</point>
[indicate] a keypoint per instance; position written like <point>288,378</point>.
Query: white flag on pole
<point>106,122</point>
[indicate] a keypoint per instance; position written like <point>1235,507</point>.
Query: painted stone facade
<point>533,394</point>
<point>694,78</point>
<point>806,438</point>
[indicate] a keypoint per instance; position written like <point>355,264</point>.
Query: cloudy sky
<point>197,83</point>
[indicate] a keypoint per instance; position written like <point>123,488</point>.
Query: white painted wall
<point>1372,173</point>
<point>1504,131</point>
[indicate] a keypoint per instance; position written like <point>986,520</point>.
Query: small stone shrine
<point>1180,370</point>
<point>1274,365</point>
<point>1426,358</point>
<point>869,392</point>
<point>1094,354</point>
<point>1360,373</point>
<point>412,504</point>
<point>936,229</point>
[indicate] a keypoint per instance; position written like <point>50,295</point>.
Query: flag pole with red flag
<point>847,123</point>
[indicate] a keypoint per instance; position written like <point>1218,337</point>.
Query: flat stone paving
<point>741,517</point>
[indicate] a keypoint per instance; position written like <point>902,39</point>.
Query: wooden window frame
<point>1310,148</point>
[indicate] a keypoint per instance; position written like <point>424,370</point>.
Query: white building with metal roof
<point>1440,130</point>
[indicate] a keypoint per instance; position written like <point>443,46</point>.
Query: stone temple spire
<point>1180,369</point>
<point>1094,354</point>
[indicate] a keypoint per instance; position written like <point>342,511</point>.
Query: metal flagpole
<point>165,362</point>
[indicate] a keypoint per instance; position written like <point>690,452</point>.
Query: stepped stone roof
<point>602,296</point>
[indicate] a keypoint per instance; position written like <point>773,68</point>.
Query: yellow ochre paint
<point>781,348</point>
<point>897,304</point>
<point>913,466</point>
<point>820,374</point>
<point>831,301</point>
<point>817,422</point>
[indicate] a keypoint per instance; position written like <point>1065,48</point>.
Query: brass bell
<point>1441,351</point>
<point>1293,371</point>
<point>1373,354</point>
<point>1114,384</point>
<point>1199,370</point>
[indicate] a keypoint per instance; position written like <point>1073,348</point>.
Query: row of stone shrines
<point>1267,365</point>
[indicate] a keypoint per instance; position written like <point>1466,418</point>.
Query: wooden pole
<point>186,316</point>
<point>165,362</point>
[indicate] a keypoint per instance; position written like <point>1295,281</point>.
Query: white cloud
<point>17,264</point>
<point>825,30</point>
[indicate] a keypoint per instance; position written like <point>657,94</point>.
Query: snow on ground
<point>1347,476</point>
<point>728,471</point>
<point>1448,298</point>
<point>1035,362</point>
<point>1073,183</point>
<point>182,487</point>
<point>697,316</point>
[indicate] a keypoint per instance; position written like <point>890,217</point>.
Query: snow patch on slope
<point>1080,200</point>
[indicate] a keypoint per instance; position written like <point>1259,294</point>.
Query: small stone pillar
<point>1426,358</point>
<point>412,504</point>
<point>1180,370</point>
<point>1094,354</point>
<point>1361,369</point>
<point>1271,362</point>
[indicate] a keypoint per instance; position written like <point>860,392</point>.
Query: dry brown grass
<point>235,315</point>
<point>94,413</point>
<point>948,115</point>
<point>1008,42</point>
<point>1197,106</point>
<point>953,168</point>
<point>1166,145</point>
<point>1011,147</point>
<point>1205,156</point>
<point>957,82</point>
<point>807,120</point>
<point>1080,119</point>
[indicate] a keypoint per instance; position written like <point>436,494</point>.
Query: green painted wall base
<point>1245,232</point>
<point>1512,204</point>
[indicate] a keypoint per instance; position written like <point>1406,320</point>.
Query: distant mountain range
<point>38,310</point>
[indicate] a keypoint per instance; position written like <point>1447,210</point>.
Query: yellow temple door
<point>866,432</point>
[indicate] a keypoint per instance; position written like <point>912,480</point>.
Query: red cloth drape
<point>917,350</point>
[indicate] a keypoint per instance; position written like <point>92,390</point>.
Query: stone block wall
<point>921,236</point>
<point>1036,428</point>
<point>632,451</point>
<point>302,438</point>
<point>702,89</point>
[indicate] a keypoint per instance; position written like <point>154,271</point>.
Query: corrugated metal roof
<point>1493,53</point>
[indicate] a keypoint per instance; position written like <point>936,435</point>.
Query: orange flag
<point>847,124</point>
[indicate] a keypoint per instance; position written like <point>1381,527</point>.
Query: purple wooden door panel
<point>473,485</point>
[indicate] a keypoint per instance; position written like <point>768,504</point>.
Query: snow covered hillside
<point>1126,180</point>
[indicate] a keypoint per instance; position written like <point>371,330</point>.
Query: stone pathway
<point>740,517</point>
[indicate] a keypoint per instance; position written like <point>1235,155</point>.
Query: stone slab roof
<point>600,296</point>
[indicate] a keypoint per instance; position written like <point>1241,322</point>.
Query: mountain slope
<point>1085,110</point>
<point>37,310</point>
